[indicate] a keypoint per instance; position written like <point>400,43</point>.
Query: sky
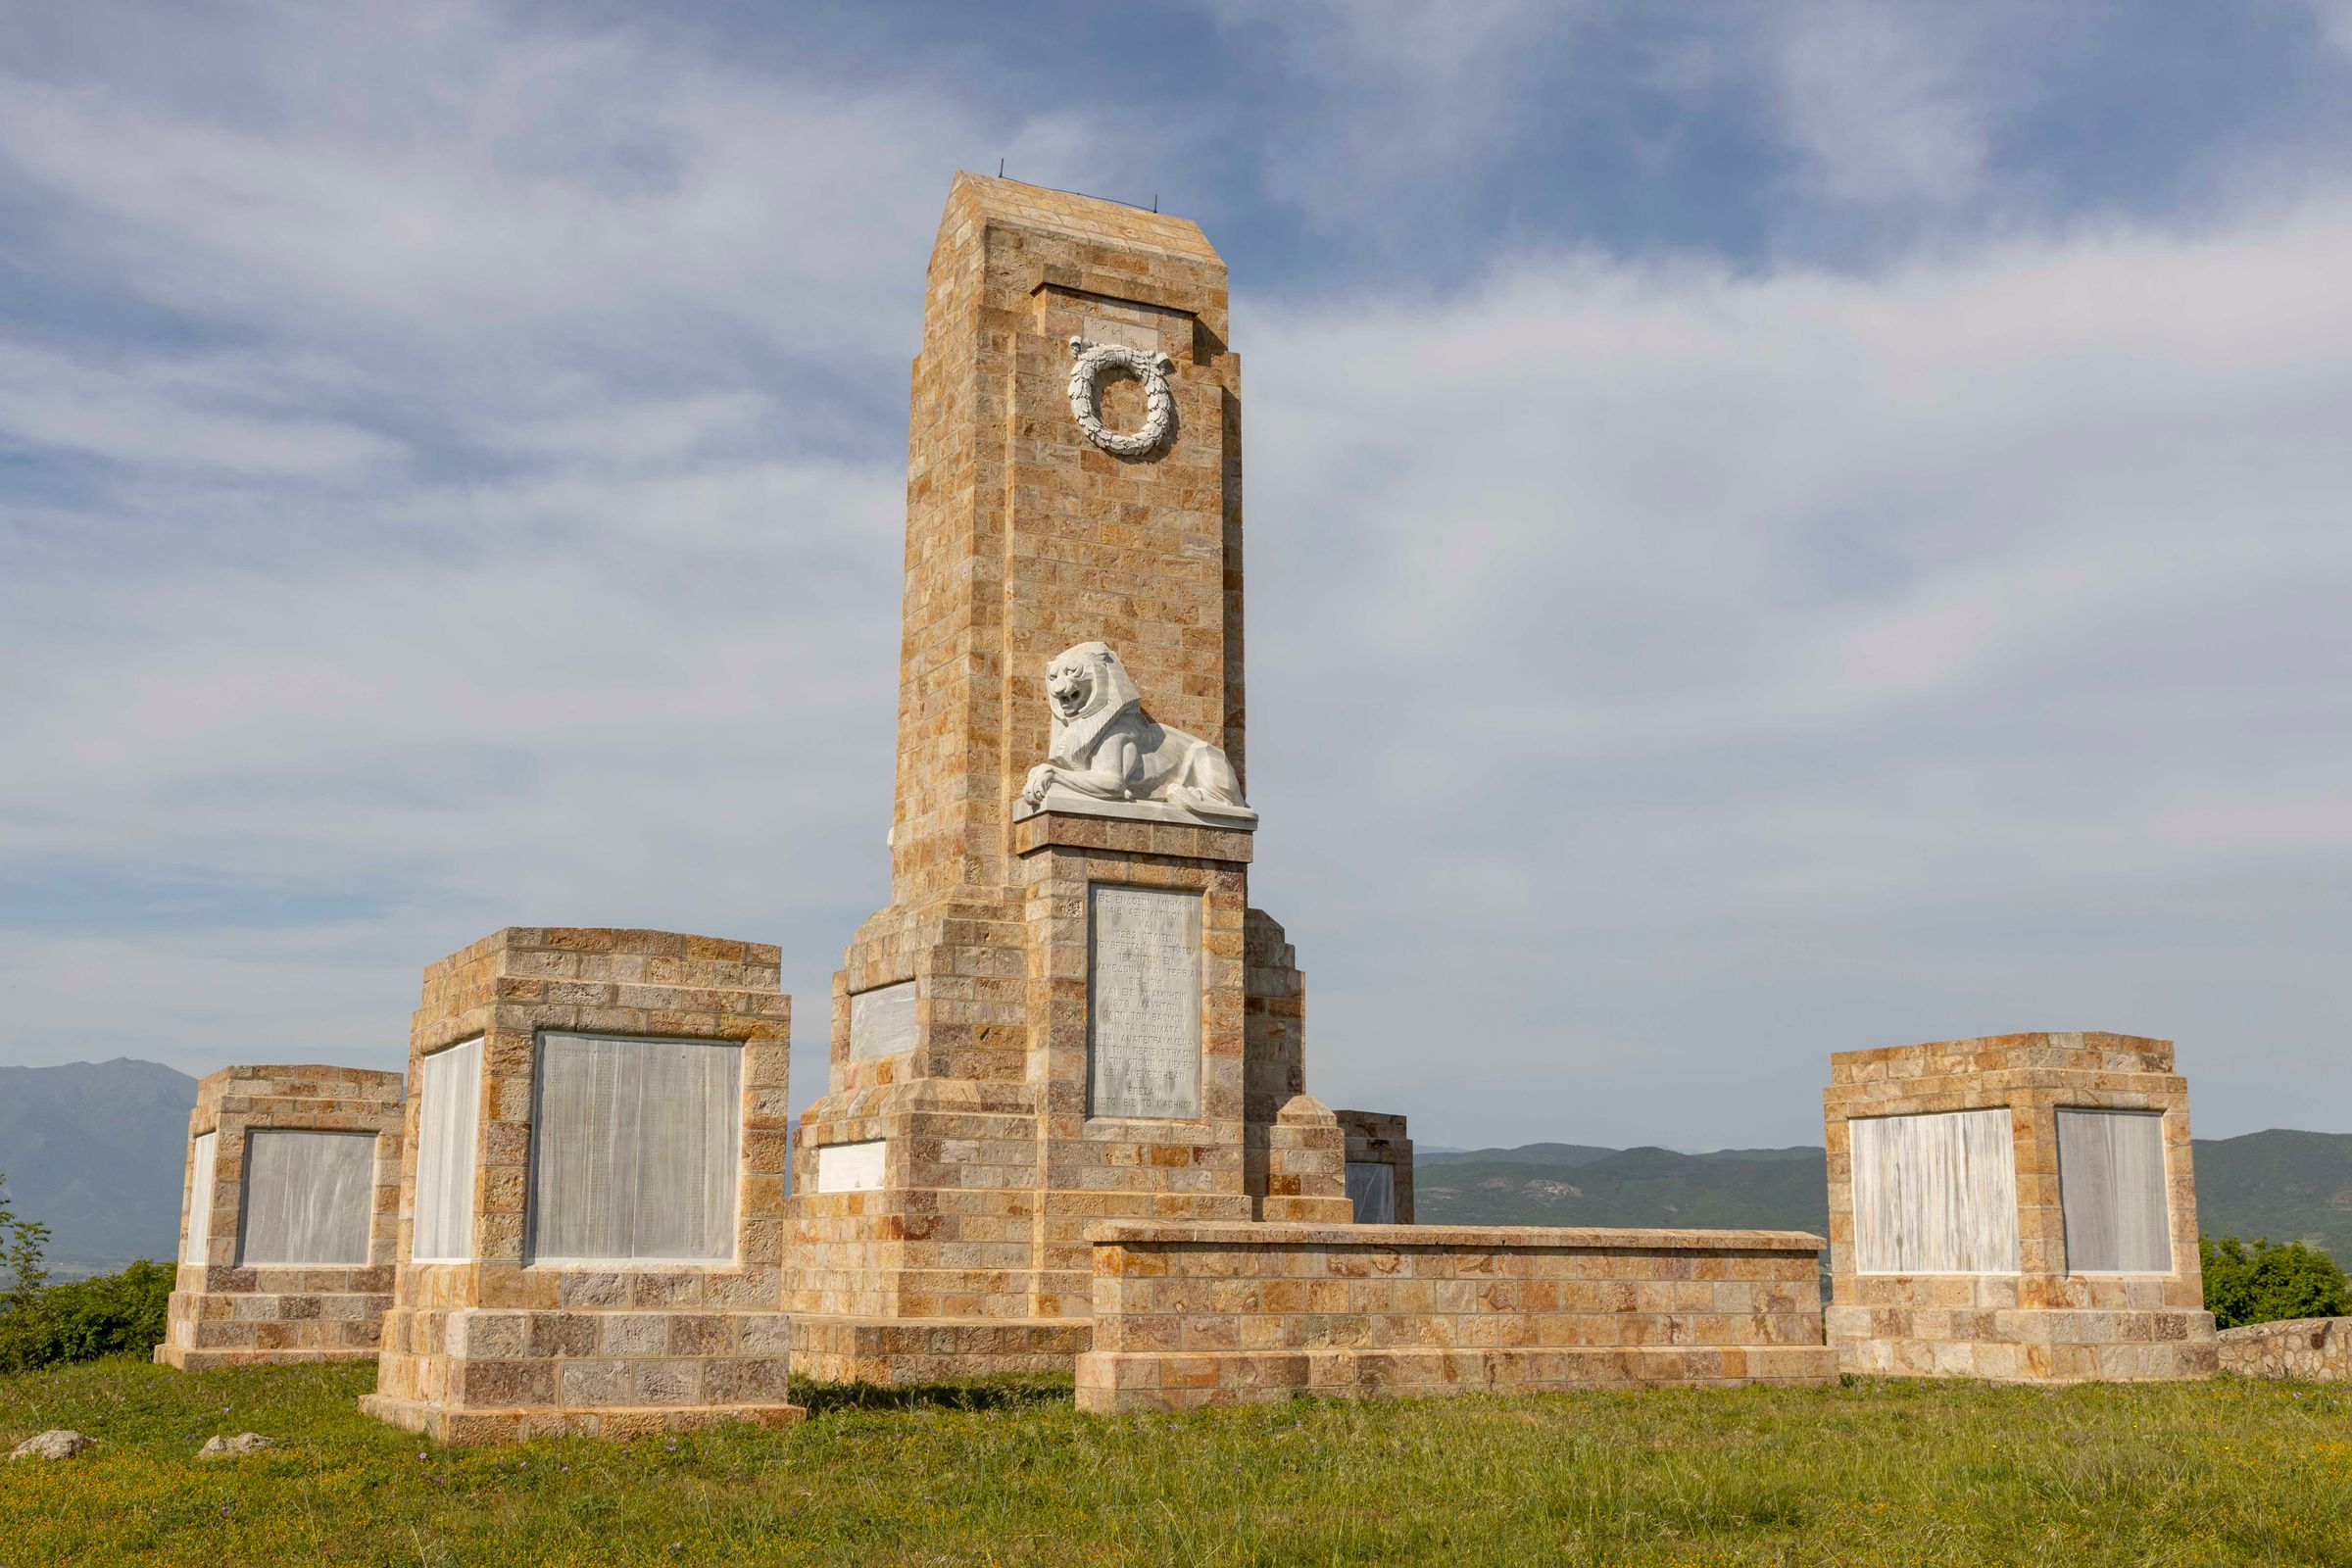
<point>1772,529</point>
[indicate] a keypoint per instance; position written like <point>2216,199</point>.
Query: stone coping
<point>1250,1233</point>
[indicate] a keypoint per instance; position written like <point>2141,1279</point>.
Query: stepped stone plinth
<point>289,1214</point>
<point>592,1211</point>
<point>2019,1207</point>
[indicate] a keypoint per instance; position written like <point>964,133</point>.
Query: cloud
<point>1734,667</point>
<point>453,463</point>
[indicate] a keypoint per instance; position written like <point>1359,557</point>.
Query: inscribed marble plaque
<point>309,1196</point>
<point>200,1199</point>
<point>1372,1189</point>
<point>449,1111</point>
<point>1934,1193</point>
<point>882,1022</point>
<point>2111,1191</point>
<point>1144,1002</point>
<point>850,1167</point>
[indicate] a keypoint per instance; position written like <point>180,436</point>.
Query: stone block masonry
<point>2019,1207</point>
<point>2309,1349</point>
<point>593,1207</point>
<point>1069,1011</point>
<point>1191,1315</point>
<point>289,1217</point>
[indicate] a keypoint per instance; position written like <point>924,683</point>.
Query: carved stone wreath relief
<point>1090,362</point>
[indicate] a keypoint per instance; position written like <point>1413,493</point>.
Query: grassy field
<point>1909,1473</point>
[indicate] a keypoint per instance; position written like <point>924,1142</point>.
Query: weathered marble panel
<point>309,1196</point>
<point>1372,1189</point>
<point>449,1113</point>
<point>882,1022</point>
<point>633,1147</point>
<point>200,1199</point>
<point>849,1167</point>
<point>1934,1193</point>
<point>1144,1002</point>
<point>2111,1187</point>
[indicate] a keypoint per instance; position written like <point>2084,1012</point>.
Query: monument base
<point>249,1316</point>
<point>897,1352</point>
<point>2027,1344</point>
<point>443,1424</point>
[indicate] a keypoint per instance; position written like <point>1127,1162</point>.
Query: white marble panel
<point>2111,1187</point>
<point>850,1167</point>
<point>633,1147</point>
<point>1103,329</point>
<point>882,1022</point>
<point>449,1114</point>
<point>1144,1002</point>
<point>200,1198</point>
<point>1372,1189</point>
<point>307,1197</point>
<point>1934,1193</point>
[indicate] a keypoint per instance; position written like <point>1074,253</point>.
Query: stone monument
<point>288,1218</point>
<point>1068,1012</point>
<point>2019,1207</point>
<point>592,1208</point>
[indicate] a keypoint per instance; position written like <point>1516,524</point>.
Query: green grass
<point>1910,1473</point>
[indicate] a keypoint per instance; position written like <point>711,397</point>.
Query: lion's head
<point>1086,687</point>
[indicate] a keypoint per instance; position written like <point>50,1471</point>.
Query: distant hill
<point>2288,1186</point>
<point>97,1150</point>
<point>1783,1189</point>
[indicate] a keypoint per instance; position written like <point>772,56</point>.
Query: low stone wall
<point>2311,1349</point>
<point>1198,1314</point>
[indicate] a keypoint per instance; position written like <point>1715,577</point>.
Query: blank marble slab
<point>200,1198</point>
<point>2111,1188</point>
<point>449,1110</point>
<point>1934,1193</point>
<point>882,1022</point>
<point>307,1197</point>
<point>850,1167</point>
<point>1372,1189</point>
<point>633,1149</point>
<point>1144,1002</point>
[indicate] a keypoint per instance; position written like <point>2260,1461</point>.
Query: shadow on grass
<point>1010,1392</point>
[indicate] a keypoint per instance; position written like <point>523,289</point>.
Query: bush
<point>46,1325</point>
<point>2267,1284</point>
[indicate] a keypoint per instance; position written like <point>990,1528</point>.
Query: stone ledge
<point>1114,1381</point>
<point>1125,1232</point>
<point>522,1423</point>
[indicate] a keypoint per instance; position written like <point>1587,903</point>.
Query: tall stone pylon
<point>1068,1012</point>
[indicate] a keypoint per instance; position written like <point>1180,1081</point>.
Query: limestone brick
<point>2040,1323</point>
<point>223,1313</point>
<point>1197,1314</point>
<point>2307,1349</point>
<point>502,1347</point>
<point>1024,537</point>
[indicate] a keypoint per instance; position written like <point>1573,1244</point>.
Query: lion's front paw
<point>1041,779</point>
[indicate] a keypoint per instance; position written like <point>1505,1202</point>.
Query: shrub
<point>2268,1284</point>
<point>45,1325</point>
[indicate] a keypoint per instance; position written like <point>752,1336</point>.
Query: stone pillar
<point>1380,1167</point>
<point>288,1218</point>
<point>552,1280</point>
<point>944,1182</point>
<point>2019,1207</point>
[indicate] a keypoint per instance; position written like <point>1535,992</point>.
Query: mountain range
<point>96,1151</point>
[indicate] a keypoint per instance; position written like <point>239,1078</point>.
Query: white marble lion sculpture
<point>1105,746</point>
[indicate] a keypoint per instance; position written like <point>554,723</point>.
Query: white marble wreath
<point>1109,758</point>
<point>1090,362</point>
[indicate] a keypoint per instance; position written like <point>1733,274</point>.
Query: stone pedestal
<point>592,1210</point>
<point>1069,1012</point>
<point>2019,1207</point>
<point>288,1218</point>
